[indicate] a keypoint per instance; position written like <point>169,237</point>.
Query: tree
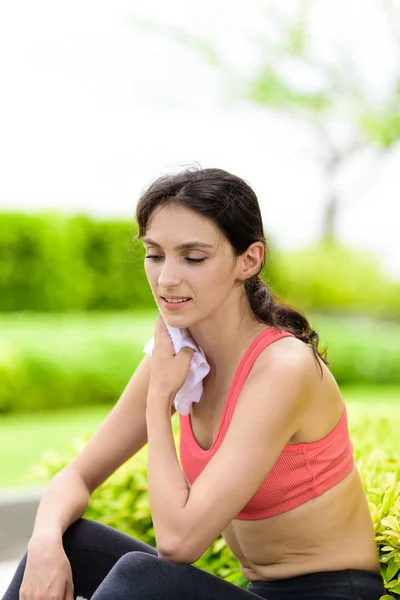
<point>337,107</point>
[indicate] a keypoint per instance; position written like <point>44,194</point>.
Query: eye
<point>191,260</point>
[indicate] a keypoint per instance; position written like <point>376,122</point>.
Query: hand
<point>47,573</point>
<point>168,371</point>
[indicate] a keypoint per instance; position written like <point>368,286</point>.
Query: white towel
<point>192,389</point>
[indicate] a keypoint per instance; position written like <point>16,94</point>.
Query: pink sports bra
<point>301,472</point>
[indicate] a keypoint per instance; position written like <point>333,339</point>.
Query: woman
<point>266,451</point>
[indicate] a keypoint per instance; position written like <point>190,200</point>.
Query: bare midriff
<point>334,531</point>
<point>331,532</point>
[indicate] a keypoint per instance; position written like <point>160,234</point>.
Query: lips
<point>175,298</point>
<point>174,305</point>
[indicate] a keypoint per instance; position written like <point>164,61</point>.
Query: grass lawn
<point>25,437</point>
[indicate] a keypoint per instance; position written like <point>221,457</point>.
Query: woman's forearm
<point>64,501</point>
<point>168,489</point>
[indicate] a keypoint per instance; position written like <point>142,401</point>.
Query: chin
<point>177,321</point>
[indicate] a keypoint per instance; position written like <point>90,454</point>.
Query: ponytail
<point>270,309</point>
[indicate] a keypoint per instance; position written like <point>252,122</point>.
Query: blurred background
<point>300,98</point>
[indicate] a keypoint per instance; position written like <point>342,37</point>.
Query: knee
<point>141,563</point>
<point>143,571</point>
<point>136,574</point>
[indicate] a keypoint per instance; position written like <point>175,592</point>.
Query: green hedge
<point>55,263</point>
<point>332,278</point>
<point>51,262</point>
<point>50,361</point>
<point>360,350</point>
<point>122,501</point>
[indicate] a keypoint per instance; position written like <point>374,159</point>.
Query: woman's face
<point>206,274</point>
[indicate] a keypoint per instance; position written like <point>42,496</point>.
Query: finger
<point>164,348</point>
<point>161,332</point>
<point>160,321</point>
<point>187,354</point>
<point>160,329</point>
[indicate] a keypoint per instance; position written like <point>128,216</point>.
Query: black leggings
<point>110,565</point>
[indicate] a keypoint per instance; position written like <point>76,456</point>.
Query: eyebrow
<point>194,244</point>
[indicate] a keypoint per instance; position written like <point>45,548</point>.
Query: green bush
<point>113,263</point>
<point>360,350</point>
<point>40,263</point>
<point>56,263</point>
<point>333,278</point>
<point>122,501</point>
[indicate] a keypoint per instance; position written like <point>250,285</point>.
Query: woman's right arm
<point>120,436</point>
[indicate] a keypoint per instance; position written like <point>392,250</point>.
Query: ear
<point>249,263</point>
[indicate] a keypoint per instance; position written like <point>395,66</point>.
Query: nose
<point>168,277</point>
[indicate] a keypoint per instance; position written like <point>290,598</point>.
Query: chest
<point>206,415</point>
<point>205,418</point>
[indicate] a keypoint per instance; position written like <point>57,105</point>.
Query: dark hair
<point>233,206</point>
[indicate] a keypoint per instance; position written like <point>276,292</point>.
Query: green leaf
<point>391,570</point>
<point>381,128</point>
<point>268,88</point>
<point>391,522</point>
<point>388,500</point>
<point>385,558</point>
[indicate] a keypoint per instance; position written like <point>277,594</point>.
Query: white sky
<point>92,107</point>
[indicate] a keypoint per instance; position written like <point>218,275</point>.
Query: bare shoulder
<point>291,356</point>
<point>285,379</point>
<point>290,368</point>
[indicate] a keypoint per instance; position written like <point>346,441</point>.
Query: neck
<point>224,336</point>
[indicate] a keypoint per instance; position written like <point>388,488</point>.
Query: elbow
<point>184,542</point>
<point>178,555</point>
<point>179,551</point>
